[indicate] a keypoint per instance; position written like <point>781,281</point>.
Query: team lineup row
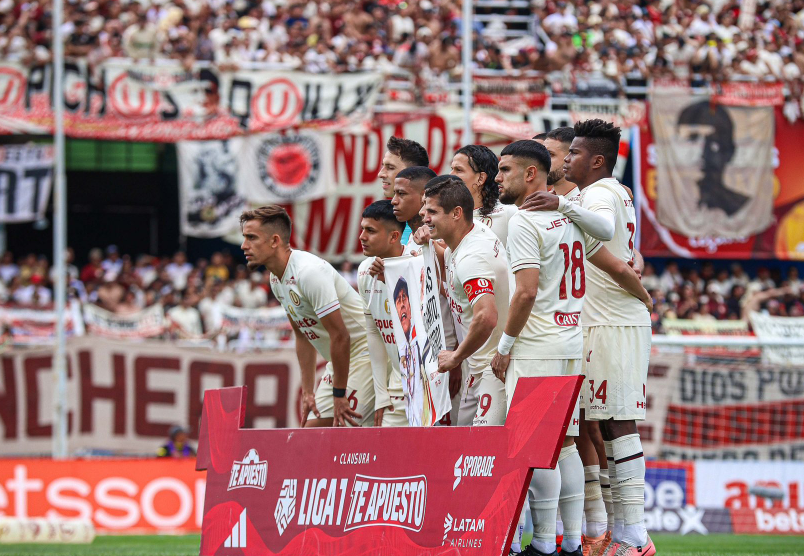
<point>513,239</point>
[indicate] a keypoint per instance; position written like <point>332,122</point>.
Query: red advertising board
<point>355,491</point>
<point>117,495</point>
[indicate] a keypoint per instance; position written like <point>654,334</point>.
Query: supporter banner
<point>510,93</point>
<point>714,166</point>
<point>26,174</point>
<point>219,179</point>
<point>125,396</point>
<point>769,327</point>
<point>749,94</point>
<point>140,101</point>
<point>747,201</point>
<point>690,327</point>
<point>262,319</point>
<point>413,286</point>
<point>721,405</point>
<point>118,496</point>
<point>37,326</point>
<point>143,324</point>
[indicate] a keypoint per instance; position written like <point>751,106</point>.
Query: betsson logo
<point>249,473</point>
<point>472,466</point>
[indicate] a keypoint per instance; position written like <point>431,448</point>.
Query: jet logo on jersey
<point>249,473</point>
<point>473,466</point>
<point>567,319</point>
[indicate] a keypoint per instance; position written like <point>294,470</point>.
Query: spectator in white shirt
<point>112,264</point>
<point>8,269</point>
<point>179,270</point>
<point>186,317</point>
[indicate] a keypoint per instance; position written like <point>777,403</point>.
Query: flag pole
<point>59,240</point>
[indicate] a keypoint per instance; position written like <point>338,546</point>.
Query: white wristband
<point>506,341</point>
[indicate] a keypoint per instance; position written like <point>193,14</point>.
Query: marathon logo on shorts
<point>249,473</point>
<point>396,502</point>
<point>473,466</point>
<point>477,287</point>
<point>567,319</point>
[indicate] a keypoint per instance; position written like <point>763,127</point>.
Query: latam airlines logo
<point>248,473</point>
<point>567,319</point>
<point>463,526</point>
<point>473,466</point>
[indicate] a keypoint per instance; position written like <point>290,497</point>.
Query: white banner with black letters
<point>26,174</point>
<point>220,179</point>
<point>413,289</point>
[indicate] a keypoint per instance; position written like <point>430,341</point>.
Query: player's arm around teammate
<point>622,273</point>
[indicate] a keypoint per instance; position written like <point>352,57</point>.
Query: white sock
<point>630,464</point>
<point>617,530</point>
<point>605,487</point>
<point>545,487</point>
<point>570,500</point>
<point>516,543</point>
<point>593,507</point>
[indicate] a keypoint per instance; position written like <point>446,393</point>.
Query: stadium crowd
<point>189,292</point>
<point>637,38</point>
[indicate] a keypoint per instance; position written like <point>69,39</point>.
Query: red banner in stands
<point>781,238</point>
<point>348,491</point>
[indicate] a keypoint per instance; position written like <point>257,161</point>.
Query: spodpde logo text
<point>473,466</point>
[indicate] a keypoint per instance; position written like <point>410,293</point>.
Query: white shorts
<point>359,392</point>
<point>483,402</point>
<point>616,372</point>
<point>523,368</point>
<point>395,416</point>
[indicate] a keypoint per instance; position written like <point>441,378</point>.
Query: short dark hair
<point>273,215</point>
<point>418,176</point>
<point>383,211</point>
<point>602,138</point>
<point>530,150</point>
<point>482,159</point>
<point>562,134</point>
<point>411,153</point>
<point>539,137</point>
<point>451,192</point>
<point>401,284</point>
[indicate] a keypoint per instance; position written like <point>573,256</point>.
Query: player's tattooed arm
<point>306,354</point>
<point>484,320</point>
<point>623,274</point>
<point>339,346</point>
<point>527,286</point>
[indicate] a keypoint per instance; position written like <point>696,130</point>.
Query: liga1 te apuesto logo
<point>289,165</point>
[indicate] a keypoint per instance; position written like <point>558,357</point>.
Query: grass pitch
<point>666,545</point>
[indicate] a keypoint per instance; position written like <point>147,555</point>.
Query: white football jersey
<point>497,220</point>
<point>606,302</point>
<point>478,266</point>
<point>574,196</point>
<point>377,305</point>
<point>311,289</point>
<point>556,246</point>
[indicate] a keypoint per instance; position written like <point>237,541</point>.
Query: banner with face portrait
<point>719,177</point>
<point>416,317</point>
<point>714,166</point>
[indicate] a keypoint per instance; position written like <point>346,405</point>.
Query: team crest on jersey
<point>387,307</point>
<point>294,297</point>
